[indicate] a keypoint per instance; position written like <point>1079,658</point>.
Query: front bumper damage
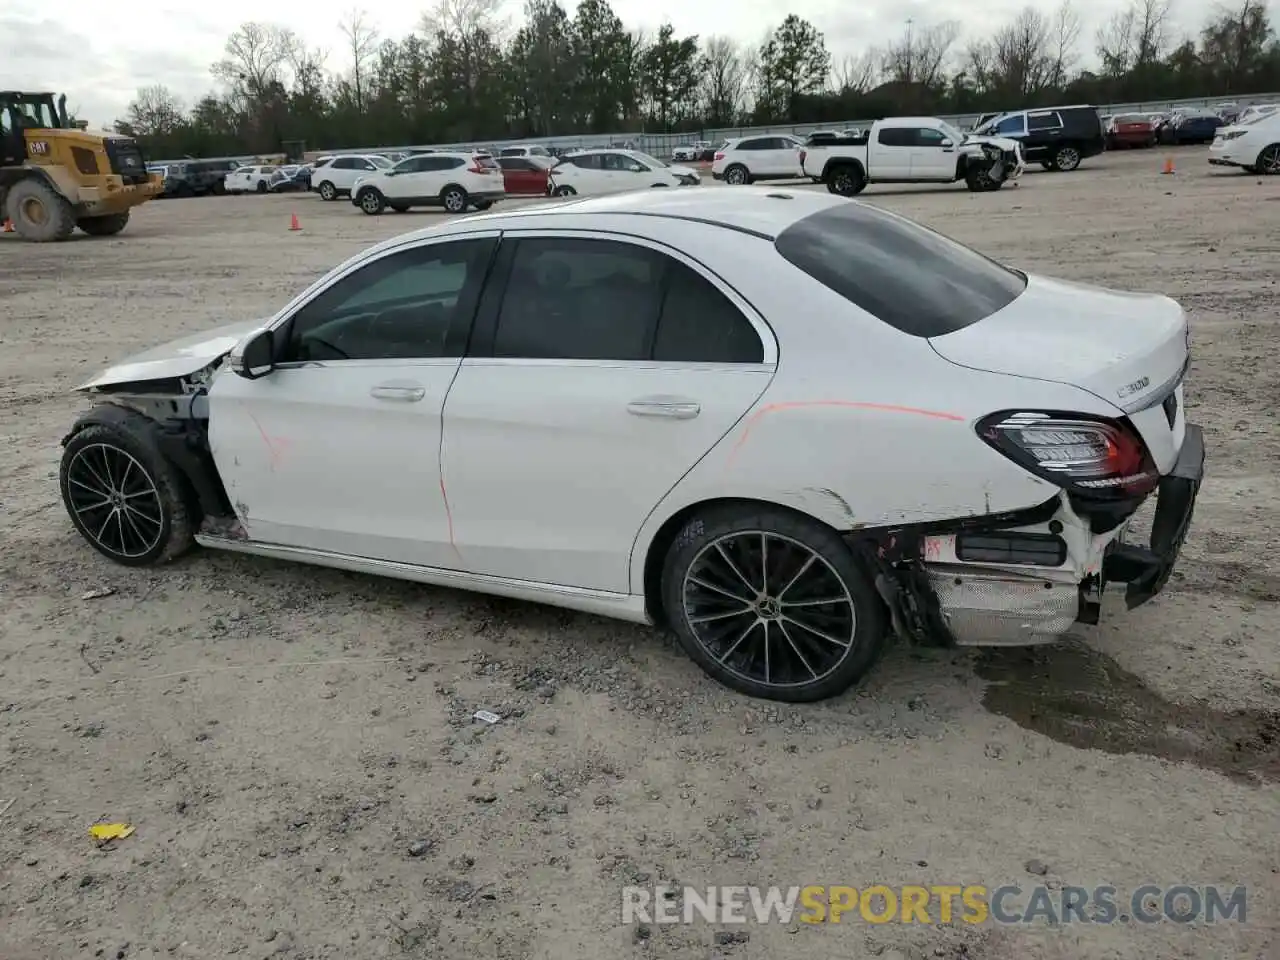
<point>1026,577</point>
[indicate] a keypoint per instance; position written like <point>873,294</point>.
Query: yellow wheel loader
<point>56,176</point>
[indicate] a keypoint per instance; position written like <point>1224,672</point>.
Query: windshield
<point>381,162</point>
<point>38,112</point>
<point>653,161</point>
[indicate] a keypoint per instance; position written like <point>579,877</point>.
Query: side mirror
<point>947,142</point>
<point>252,357</point>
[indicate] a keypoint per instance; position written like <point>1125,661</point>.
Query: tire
<point>106,226</point>
<point>1047,164</point>
<point>811,562</point>
<point>657,185</point>
<point>1268,162</point>
<point>565,191</point>
<point>1066,159</point>
<point>158,521</point>
<point>737,175</point>
<point>218,189</point>
<point>371,201</point>
<point>453,199</point>
<point>845,180</point>
<point>39,212</point>
<point>979,181</point>
<point>328,191</point>
<point>262,186</point>
<point>483,204</point>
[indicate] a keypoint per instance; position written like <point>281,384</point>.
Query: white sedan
<point>594,172</point>
<point>250,179</point>
<point>781,424</point>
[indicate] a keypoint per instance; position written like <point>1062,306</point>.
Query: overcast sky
<point>99,54</point>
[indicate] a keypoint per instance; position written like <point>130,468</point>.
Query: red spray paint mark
<point>276,446</point>
<point>848,404</point>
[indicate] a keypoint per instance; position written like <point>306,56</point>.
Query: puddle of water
<point>1078,696</point>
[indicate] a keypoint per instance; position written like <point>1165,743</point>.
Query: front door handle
<point>404,392</point>
<point>676,408</point>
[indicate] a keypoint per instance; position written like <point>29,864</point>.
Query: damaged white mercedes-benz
<point>784,425</point>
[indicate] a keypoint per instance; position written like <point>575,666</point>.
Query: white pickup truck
<point>911,150</point>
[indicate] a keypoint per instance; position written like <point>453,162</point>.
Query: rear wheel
<point>123,496</point>
<point>1066,158</point>
<point>39,212</point>
<point>771,603</point>
<point>846,180</point>
<point>565,191</point>
<point>1269,160</point>
<point>454,199</point>
<point>737,175</point>
<point>103,226</point>
<point>328,191</point>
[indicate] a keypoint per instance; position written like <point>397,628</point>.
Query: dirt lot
<point>281,736</point>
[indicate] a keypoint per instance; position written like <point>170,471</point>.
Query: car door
<point>889,155</point>
<point>602,369</point>
<point>337,447</point>
<point>239,180</point>
<point>1044,134</point>
<point>784,158</point>
<point>522,176</point>
<point>410,180</point>
<point>930,159</point>
<point>622,172</point>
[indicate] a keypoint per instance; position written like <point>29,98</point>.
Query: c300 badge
<point>1136,387</point>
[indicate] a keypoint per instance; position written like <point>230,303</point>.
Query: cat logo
<point>39,148</point>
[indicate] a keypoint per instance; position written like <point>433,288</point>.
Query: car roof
<point>761,211</point>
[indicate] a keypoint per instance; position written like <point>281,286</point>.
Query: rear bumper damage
<point>1026,578</point>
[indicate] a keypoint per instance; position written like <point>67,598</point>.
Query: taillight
<point>719,156</point>
<point>1097,458</point>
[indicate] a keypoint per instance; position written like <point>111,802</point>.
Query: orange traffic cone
<point>1168,166</point>
<point>8,227</point>
<point>293,222</point>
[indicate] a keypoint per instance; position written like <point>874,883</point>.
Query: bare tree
<point>1134,37</point>
<point>724,80</point>
<point>256,55</point>
<point>1065,34</point>
<point>858,74</point>
<point>463,18</point>
<point>919,57</point>
<point>362,44</point>
<point>154,112</point>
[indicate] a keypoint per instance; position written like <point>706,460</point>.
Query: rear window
<point>912,278</point>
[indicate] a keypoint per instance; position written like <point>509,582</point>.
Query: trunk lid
<point>1129,349</point>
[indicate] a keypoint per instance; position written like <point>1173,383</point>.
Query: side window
<point>929,137</point>
<point>753,145</point>
<point>699,324</point>
<point>895,137</point>
<point>588,161</point>
<point>1043,121</point>
<point>364,165</point>
<point>412,304</point>
<point>344,163</point>
<point>577,299</point>
<point>1013,124</point>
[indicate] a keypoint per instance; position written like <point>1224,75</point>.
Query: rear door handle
<point>404,392</point>
<point>676,408</point>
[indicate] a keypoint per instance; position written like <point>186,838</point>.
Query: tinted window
<point>323,163</point>
<point>700,324</point>
<point>753,145</point>
<point>928,137</point>
<point>1043,121</point>
<point>896,136</point>
<point>621,162</point>
<point>589,161</point>
<point>1012,124</point>
<point>515,163</point>
<point>416,303</point>
<point>910,277</point>
<point>580,299</point>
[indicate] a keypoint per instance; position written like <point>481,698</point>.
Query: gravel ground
<point>294,748</point>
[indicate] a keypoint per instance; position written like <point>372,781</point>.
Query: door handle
<point>407,393</point>
<point>676,408</point>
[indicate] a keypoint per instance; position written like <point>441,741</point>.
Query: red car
<point>524,176</point>
<point>1131,130</point>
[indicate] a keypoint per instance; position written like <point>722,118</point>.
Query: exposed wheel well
<point>662,540</point>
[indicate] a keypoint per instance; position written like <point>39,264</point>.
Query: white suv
<point>1254,145</point>
<point>745,160</point>
<point>253,179</point>
<point>594,172</point>
<point>448,179</point>
<point>334,177</point>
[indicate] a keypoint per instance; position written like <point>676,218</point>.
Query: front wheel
<point>1268,162</point>
<point>772,604</point>
<point>123,496</point>
<point>565,191</point>
<point>372,202</point>
<point>454,199</point>
<point>39,212</point>
<point>737,175</point>
<point>104,226</point>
